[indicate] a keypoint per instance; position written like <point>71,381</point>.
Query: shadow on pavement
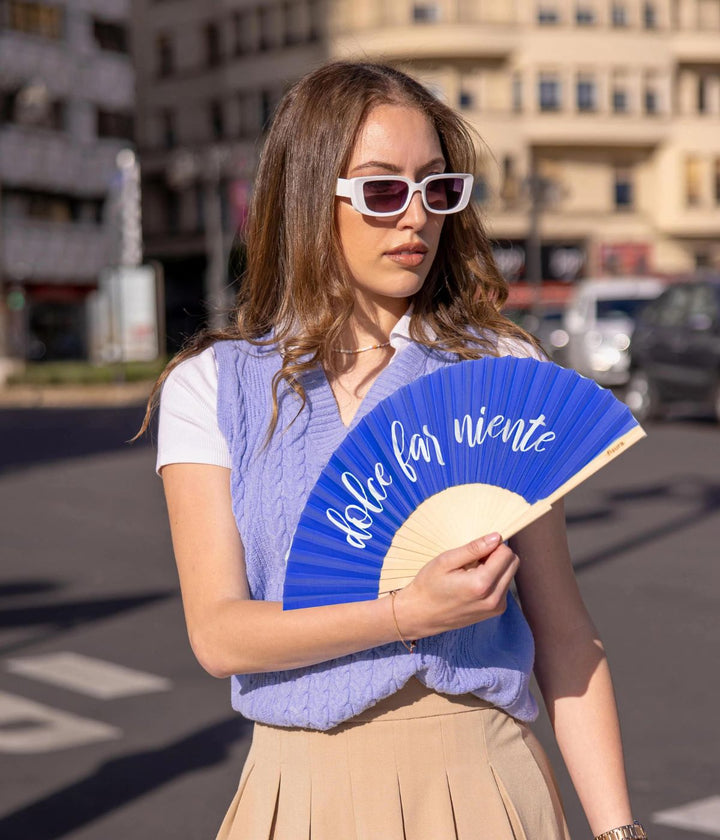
<point>120,781</point>
<point>707,503</point>
<point>36,435</point>
<point>54,618</point>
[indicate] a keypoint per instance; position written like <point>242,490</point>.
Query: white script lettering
<point>419,447</point>
<point>519,433</point>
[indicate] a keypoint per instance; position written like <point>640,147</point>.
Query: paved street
<point>109,729</point>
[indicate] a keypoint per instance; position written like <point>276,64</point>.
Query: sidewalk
<point>74,396</point>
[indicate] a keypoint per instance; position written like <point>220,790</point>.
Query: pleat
<point>525,784</point>
<point>332,814</point>
<point>374,780</point>
<point>256,800</point>
<point>424,795</point>
<point>425,767</point>
<point>480,813</point>
<point>292,816</point>
<point>516,824</point>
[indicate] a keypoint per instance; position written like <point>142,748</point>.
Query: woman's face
<point>390,257</point>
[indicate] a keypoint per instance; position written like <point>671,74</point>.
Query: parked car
<point>675,352</point>
<point>546,325</point>
<point>599,321</point>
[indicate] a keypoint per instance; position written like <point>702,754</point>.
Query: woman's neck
<point>368,329</point>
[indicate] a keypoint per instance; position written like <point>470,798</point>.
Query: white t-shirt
<point>188,431</point>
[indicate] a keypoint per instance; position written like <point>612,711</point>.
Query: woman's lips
<point>410,256</point>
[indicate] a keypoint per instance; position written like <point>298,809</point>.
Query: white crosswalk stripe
<point>30,727</point>
<point>701,816</point>
<point>86,675</point>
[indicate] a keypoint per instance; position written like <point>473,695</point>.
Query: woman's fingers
<point>470,553</point>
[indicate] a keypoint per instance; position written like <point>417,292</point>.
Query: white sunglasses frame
<point>352,188</point>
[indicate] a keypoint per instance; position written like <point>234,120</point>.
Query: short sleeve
<point>188,431</point>
<point>507,346</point>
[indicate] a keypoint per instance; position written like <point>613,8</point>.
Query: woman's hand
<point>459,587</point>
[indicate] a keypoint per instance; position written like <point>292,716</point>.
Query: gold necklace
<point>361,349</point>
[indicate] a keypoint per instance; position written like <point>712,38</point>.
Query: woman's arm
<point>232,634</point>
<point>572,672</point>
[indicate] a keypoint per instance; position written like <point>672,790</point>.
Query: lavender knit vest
<point>492,659</point>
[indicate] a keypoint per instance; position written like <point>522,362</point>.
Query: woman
<point>403,717</point>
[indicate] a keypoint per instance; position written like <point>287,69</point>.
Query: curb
<point>75,396</point>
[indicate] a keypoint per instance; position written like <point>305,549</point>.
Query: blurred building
<point>66,111</point>
<point>208,78</point>
<point>600,118</point>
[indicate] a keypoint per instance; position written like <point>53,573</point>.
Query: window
<point>110,36</point>
<point>213,55</point>
<point>651,101</point>
<point>317,14</point>
<point>517,93</point>
<point>586,100</point>
<point>547,15</point>
<point>693,181</point>
<point>549,92</point>
<point>165,55</point>
<point>702,97</point>
<point>623,189</point>
<point>267,106</point>
<point>217,121</point>
<point>618,15</point>
<point>620,104</point>
<point>425,13</point>
<point>510,188</point>
<point>650,16</point>
<point>169,133</point>
<point>584,15</point>
<point>41,19</point>
<point>481,191</point>
<point>248,114</point>
<point>114,124</point>
<point>32,106</point>
<point>466,99</point>
<point>265,26</point>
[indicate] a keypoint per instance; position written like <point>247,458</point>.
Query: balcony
<point>94,75</point>
<point>431,29</point>
<point>428,42</point>
<point>596,130</point>
<point>54,252</point>
<point>51,161</point>
<point>696,47</point>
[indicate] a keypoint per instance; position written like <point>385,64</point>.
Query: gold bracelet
<point>632,831</point>
<point>410,645</point>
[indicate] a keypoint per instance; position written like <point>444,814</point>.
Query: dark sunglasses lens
<point>444,193</point>
<point>385,196</point>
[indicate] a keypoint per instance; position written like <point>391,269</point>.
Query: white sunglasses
<point>390,195</point>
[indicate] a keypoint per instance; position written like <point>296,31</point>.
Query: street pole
<point>534,241</point>
<point>215,277</point>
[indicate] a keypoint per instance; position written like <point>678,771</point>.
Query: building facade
<point>599,119</point>
<point>66,111</point>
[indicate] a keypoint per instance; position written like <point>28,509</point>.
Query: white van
<point>599,320</point>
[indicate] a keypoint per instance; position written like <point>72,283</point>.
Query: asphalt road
<point>152,750</point>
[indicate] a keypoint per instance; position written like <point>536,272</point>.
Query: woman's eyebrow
<point>391,167</point>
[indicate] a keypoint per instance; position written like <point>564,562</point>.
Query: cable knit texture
<point>270,484</point>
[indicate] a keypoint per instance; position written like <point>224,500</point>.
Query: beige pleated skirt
<point>417,766</point>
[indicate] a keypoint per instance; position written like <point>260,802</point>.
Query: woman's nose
<point>415,216</point>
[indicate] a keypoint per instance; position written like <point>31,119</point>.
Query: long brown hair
<point>296,291</point>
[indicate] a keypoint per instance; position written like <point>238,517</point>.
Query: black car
<point>675,351</point>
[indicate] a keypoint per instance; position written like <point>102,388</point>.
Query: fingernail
<point>491,539</point>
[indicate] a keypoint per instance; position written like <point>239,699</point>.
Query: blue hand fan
<point>479,446</point>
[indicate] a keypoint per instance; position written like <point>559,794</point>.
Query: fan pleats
<point>479,446</point>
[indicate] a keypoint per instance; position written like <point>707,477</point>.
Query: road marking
<point>94,677</point>
<point>702,816</point>
<point>29,727</point>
